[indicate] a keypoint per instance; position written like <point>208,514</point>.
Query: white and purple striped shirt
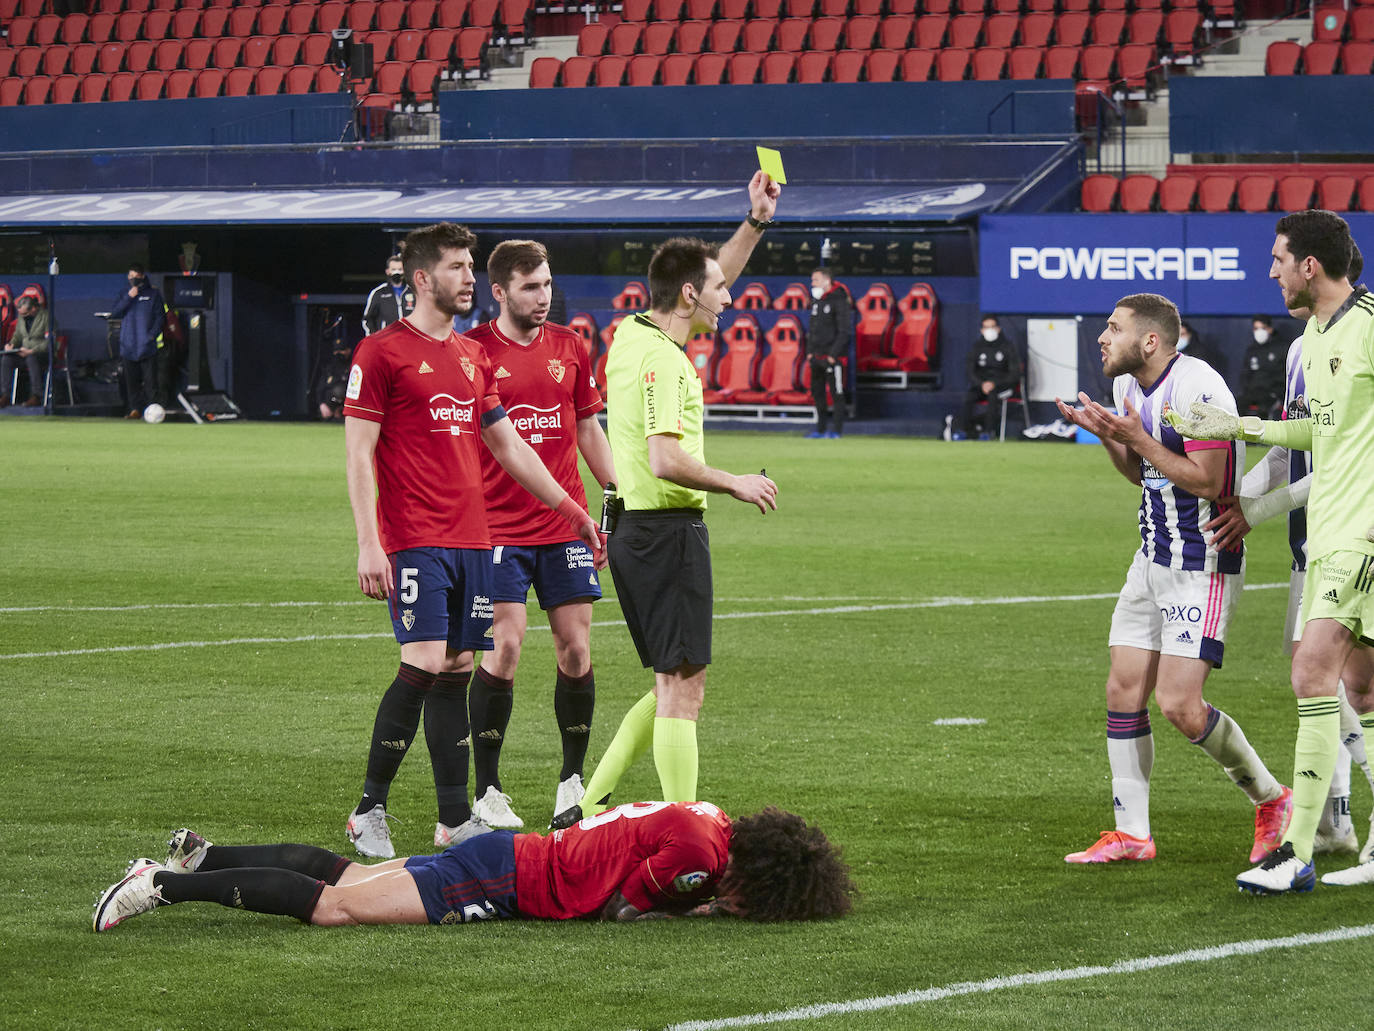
<point>1171,519</point>
<point>1299,462</point>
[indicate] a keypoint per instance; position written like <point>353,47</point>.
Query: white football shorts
<point>1175,611</point>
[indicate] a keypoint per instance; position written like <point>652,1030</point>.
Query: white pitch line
<point>832,610</point>
<point>992,984</point>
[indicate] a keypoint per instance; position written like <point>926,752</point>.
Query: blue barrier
<point>1301,114</point>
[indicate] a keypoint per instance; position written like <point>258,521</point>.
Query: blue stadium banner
<point>1082,264</point>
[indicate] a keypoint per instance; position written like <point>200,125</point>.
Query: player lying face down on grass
<point>636,861</point>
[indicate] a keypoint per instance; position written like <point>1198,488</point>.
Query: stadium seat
<point>111,59</point>
<point>861,33</point>
<point>129,27</point>
<point>965,30</point>
<point>873,333</point>
<point>848,66</point>
<point>55,57</point>
<point>285,51</point>
<point>1071,29</point>
<point>241,21</point>
<point>643,69</point>
<point>37,89</point>
<point>391,15</point>
<point>930,31</point>
<point>624,39</point>
<point>771,9</point>
<point>11,91</point>
<point>1357,57</point>
<point>732,10</point>
<point>20,32</point>
<point>701,10</point>
<point>610,69</point>
<point>238,82</point>
<point>1145,27</point>
<point>676,69</point>
<point>743,68</point>
<point>1216,192</point>
<point>777,67</point>
<point>1328,22</point>
<point>585,327</point>
<point>226,52</point>
<point>902,7</point>
<point>544,72</point>
<point>882,65</point>
<point>637,10</point>
<point>1282,57</point>
<point>64,89</point>
<point>406,45</point>
<point>1320,58</point>
<point>92,88</point>
<point>814,66</point>
<point>1097,62</point>
<point>737,368</point>
<point>1295,193</point>
<point>301,79</point>
<point>914,339</point>
<point>1036,30</point>
<point>29,60</point>
<point>422,78</point>
<point>988,64</point>
<point>330,15</point>
<point>257,52</point>
<point>361,14</point>
<point>826,34</point>
<point>482,13</point>
<point>380,42</point>
<point>724,37</point>
<point>1334,193</point>
<point>389,77</point>
<point>895,32</point>
<point>198,53</point>
<point>150,85</point>
<point>438,45</point>
<point>271,20</point>
<point>470,48</point>
<point>300,18</point>
<point>754,297</point>
<point>327,80</point>
<point>213,22</point>
<point>315,49</point>
<point>917,65</point>
<point>1182,33</point>
<point>799,8</point>
<point>941,7</point>
<point>703,351</point>
<point>794,297</point>
<point>789,35</point>
<point>658,38</point>
<point>757,35</point>
<point>1256,193</point>
<point>81,62</point>
<point>184,24</point>
<point>779,369</point>
<point>7,62</point>
<point>1099,193</point>
<point>1365,193</point>
<point>179,84</point>
<point>1362,24</point>
<point>140,56</point>
<point>100,29</point>
<point>1024,62</point>
<point>1062,62</point>
<point>45,31</point>
<point>1138,193</point>
<point>709,69</point>
<point>1137,65</point>
<point>1000,31</point>
<point>633,296</point>
<point>1108,27</point>
<point>690,37</point>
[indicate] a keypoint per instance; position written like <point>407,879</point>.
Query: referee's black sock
<point>489,705</point>
<point>318,863</point>
<point>398,718</point>
<point>574,699</point>
<point>256,888</point>
<point>446,733</point>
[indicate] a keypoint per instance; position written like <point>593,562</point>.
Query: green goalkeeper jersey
<point>1338,367</point>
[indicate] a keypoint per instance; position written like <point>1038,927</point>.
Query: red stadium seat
<point>826,34</point>
<point>300,18</point>
<point>28,60</point>
<point>470,48</point>
<point>209,82</point>
<point>743,68</point>
<point>1282,57</point>
<point>315,49</point>
<point>111,59</point>
<point>861,33</point>
<point>771,9</point>
<point>732,10</point>
<point>754,297</point>
<point>20,33</point>
<point>238,82</point>
<point>299,79</point>
<point>637,10</point>
<point>758,35</point>
<point>327,80</point>
<point>709,69</point>
<point>1357,57</point>
<point>676,69</point>
<point>848,66</point>
<point>361,14</point>
<point>895,7</point>
<point>1216,192</point>
<point>1071,30</point>
<point>1138,66</point>
<point>167,54</point>
<point>799,8</point>
<point>271,20</point>
<point>544,72</point>
<point>55,59</point>
<point>213,22</point>
<point>330,15</point>
<point>226,52</point>
<point>1097,62</point>
<point>81,62</point>
<point>1024,62</point>
<point>989,64</point>
<point>737,369</point>
<point>140,56</point>
<point>64,89</point>
<point>703,351</point>
<point>285,51</point>
<point>241,21</point>
<point>1334,193</point>
<point>658,38</point>
<point>794,297</point>
<point>951,64</point>
<point>585,327</point>
<point>184,24</point>
<point>1108,27</point>
<point>701,10</point>
<point>1000,31</point>
<point>422,77</point>
<point>11,91</point>
<point>100,29</point>
<point>894,33</point>
<point>1036,30</point>
<point>1362,24</point>
<point>690,37</point>
<point>45,31</point>
<point>1182,32</point>
<point>1099,193</point>
<point>780,368</point>
<point>873,334</point>
<point>180,84</point>
<point>724,37</point>
<point>788,35</point>
<point>1365,193</point>
<point>915,339</point>
<point>482,13</point>
<point>92,88</point>
<point>389,77</point>
<point>965,30</point>
<point>1328,23</point>
<point>7,62</point>
<point>610,69</point>
<point>942,7</point>
<point>390,15</point>
<point>917,65</point>
<point>257,52</point>
<point>643,68</point>
<point>777,67</point>
<point>814,66</point>
<point>633,296</point>
<point>198,53</point>
<point>150,85</point>
<point>624,39</point>
<point>1295,193</point>
<point>129,26</point>
<point>1139,193</point>
<point>883,65</point>
<point>1255,193</point>
<point>930,31</point>
<point>577,70</point>
<point>1145,27</point>
<point>1320,58</point>
<point>380,42</point>
<point>406,45</point>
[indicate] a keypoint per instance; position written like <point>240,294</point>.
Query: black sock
<point>318,863</point>
<point>490,705</point>
<point>574,698</point>
<point>256,888</point>
<point>446,733</point>
<point>398,717</point>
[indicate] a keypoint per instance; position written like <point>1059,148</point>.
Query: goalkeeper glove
<point>1208,422</point>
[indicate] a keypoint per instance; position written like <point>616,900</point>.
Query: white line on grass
<point>338,604</point>
<point>992,984</point>
<point>832,610</point>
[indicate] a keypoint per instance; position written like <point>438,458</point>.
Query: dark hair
<point>826,271</point>
<point>512,256</point>
<point>1323,235</point>
<point>424,247</point>
<point>136,267</point>
<point>678,261</point>
<point>1155,312</point>
<point>782,869</point>
<point>1263,320</point>
<point>1356,268</point>
<point>990,318</point>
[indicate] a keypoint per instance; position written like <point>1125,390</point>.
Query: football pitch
<point>910,652</point>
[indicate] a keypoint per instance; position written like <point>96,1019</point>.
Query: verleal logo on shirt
<point>556,370</point>
<point>686,883</point>
<point>456,415</point>
<point>535,423</point>
<point>355,383</point>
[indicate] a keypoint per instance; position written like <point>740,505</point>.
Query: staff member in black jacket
<point>391,301</point>
<point>827,347</point>
<point>994,366</point>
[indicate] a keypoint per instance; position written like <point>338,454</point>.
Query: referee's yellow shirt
<point>651,388</point>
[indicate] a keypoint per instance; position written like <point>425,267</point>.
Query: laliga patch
<point>355,382</point>
<point>686,883</point>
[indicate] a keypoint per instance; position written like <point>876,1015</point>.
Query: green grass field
<point>184,644</point>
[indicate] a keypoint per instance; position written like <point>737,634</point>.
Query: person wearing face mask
<point>1262,375</point>
<point>827,346</point>
<point>1191,344</point>
<point>142,312</point>
<point>994,366</point>
<point>390,301</point>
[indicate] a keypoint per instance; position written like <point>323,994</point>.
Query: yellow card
<point>771,162</point>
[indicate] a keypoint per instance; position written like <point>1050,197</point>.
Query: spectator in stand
<point>475,316</point>
<point>7,314</point>
<point>994,366</point>
<point>141,310</point>
<point>1262,375</point>
<point>29,342</point>
<point>390,301</point>
<point>1191,344</point>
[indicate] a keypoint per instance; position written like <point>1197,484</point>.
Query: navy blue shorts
<point>471,881</point>
<point>559,573</point>
<point>443,594</point>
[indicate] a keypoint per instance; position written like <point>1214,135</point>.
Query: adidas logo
<point>1309,774</point>
<point>1185,638</point>
<point>501,372</point>
<point>579,728</point>
<point>424,367</point>
<point>399,745</point>
<point>1331,596</point>
<point>489,735</point>
<point>1116,804</point>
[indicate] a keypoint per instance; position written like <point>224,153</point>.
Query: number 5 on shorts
<point>409,588</point>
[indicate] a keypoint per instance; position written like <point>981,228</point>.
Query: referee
<point>660,556</point>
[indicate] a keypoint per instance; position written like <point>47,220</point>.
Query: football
<point>154,413</point>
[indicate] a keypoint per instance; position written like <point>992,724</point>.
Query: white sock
<point>1132,759</point>
<point>1225,742</point>
<point>1352,737</point>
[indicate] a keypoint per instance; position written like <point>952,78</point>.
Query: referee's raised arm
<point>763,202</point>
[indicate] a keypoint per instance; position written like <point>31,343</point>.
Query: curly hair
<point>783,869</point>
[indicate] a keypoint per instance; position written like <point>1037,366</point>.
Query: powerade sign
<point>1083,264</point>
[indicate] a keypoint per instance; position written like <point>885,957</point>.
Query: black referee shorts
<point>661,564</point>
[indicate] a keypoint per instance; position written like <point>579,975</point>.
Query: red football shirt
<point>650,852</point>
<point>432,398</point>
<point>545,386</point>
